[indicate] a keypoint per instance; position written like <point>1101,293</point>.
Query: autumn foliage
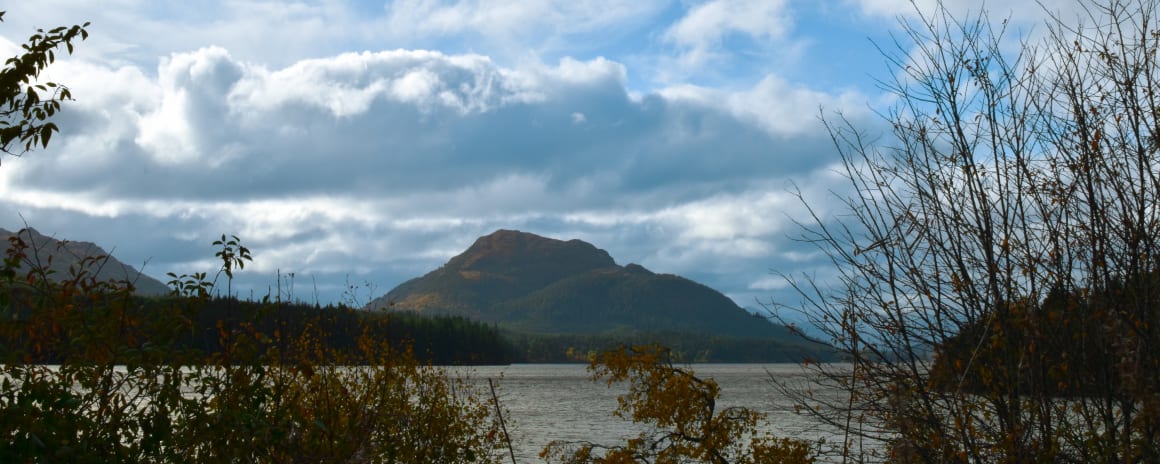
<point>125,390</point>
<point>685,423</point>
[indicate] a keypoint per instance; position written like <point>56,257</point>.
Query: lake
<point>545,402</point>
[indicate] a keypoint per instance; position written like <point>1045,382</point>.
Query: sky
<point>354,145</point>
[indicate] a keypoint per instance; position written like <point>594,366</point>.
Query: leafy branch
<point>25,105</point>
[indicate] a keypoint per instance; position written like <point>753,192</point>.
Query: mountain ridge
<point>58,256</point>
<point>533,284</point>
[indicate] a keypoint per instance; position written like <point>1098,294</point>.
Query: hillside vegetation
<point>570,297</point>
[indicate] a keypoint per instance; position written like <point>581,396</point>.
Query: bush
<point>126,389</point>
<point>681,409</point>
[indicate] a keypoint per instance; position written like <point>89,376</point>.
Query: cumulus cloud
<point>379,161</point>
<point>317,161</point>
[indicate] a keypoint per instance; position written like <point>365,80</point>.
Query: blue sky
<point>362,143</point>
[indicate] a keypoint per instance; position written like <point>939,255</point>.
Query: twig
<point>499,412</point>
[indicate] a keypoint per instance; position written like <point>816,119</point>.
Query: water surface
<point>545,402</point>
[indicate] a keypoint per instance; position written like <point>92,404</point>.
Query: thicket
<point>1004,233</point>
<point>684,421</point>
<point>1074,336</point>
<point>131,384</point>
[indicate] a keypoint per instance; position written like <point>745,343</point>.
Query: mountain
<point>59,255</point>
<point>533,284</point>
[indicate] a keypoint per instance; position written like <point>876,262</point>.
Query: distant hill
<point>65,254</point>
<point>533,284</point>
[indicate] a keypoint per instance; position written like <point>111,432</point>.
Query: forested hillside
<point>560,299</point>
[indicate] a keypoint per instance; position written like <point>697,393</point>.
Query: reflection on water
<point>545,402</point>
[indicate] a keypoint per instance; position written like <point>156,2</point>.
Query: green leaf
<point>46,133</point>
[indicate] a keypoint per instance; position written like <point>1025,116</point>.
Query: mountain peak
<point>67,253</point>
<point>27,233</point>
<point>512,252</point>
<point>499,266</point>
<point>529,283</point>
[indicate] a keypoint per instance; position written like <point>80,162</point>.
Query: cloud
<point>191,105</point>
<point>536,27</point>
<point>139,32</point>
<point>1024,12</point>
<point>365,162</point>
<point>775,105</point>
<point>703,32</point>
<point>356,142</point>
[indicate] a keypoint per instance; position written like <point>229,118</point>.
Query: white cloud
<point>703,31</point>
<point>416,86</point>
<point>710,22</point>
<point>778,106</point>
<point>769,283</point>
<point>194,87</point>
<point>577,72</point>
<point>786,108</point>
<point>347,85</point>
<point>334,142</point>
<point>516,28</point>
<point>167,133</point>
